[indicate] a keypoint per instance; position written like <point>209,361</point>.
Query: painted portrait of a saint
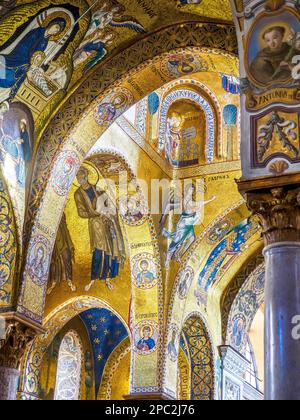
<point>271,49</point>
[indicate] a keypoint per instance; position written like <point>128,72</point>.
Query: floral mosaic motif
<point>65,170</point>
<point>145,338</point>
<point>69,369</point>
<point>7,247</point>
<point>144,271</point>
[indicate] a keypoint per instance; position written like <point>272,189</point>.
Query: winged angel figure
<point>94,46</point>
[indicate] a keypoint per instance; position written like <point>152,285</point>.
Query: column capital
<point>17,334</point>
<point>278,211</point>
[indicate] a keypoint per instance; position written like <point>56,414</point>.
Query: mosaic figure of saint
<point>145,275</point>
<point>61,269</point>
<point>92,50</point>
<point>146,342</point>
<point>15,142</point>
<point>106,239</point>
<point>172,350</point>
<point>130,211</point>
<point>38,263</point>
<point>238,332</point>
<point>107,111</point>
<point>184,285</point>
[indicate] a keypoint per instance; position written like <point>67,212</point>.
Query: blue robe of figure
<point>18,60</point>
<point>144,344</point>
<point>25,146</point>
<point>25,157</point>
<point>99,48</point>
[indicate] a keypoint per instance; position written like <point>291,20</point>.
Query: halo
<point>119,95</point>
<point>93,174</point>
<point>38,247</point>
<point>140,263</point>
<point>41,53</point>
<point>284,25</point>
<point>147,326</point>
<point>58,15</point>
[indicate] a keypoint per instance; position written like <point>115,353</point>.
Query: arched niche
<point>186,134</point>
<point>187,128</point>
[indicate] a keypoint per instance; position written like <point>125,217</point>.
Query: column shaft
<point>282,304</point>
<point>9,379</point>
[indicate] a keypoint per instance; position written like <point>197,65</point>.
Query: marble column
<point>9,379</point>
<point>278,210</point>
<point>12,347</point>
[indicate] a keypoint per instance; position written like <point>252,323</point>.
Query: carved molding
<point>278,211</point>
<point>233,362</point>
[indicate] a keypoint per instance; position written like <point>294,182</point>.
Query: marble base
<point>9,379</point>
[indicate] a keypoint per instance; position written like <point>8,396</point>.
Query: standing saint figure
<point>61,269</point>
<point>24,152</point>
<point>106,240</point>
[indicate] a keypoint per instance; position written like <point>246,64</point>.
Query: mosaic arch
<point>220,48</point>
<point>226,228</point>
<point>79,142</point>
<point>142,244</point>
<point>210,95</point>
<point>194,97</point>
<point>110,375</point>
<point>235,286</point>
<point>54,322</point>
<point>245,306</point>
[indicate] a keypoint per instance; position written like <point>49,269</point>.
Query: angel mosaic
<point>99,35</point>
<point>184,235</point>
